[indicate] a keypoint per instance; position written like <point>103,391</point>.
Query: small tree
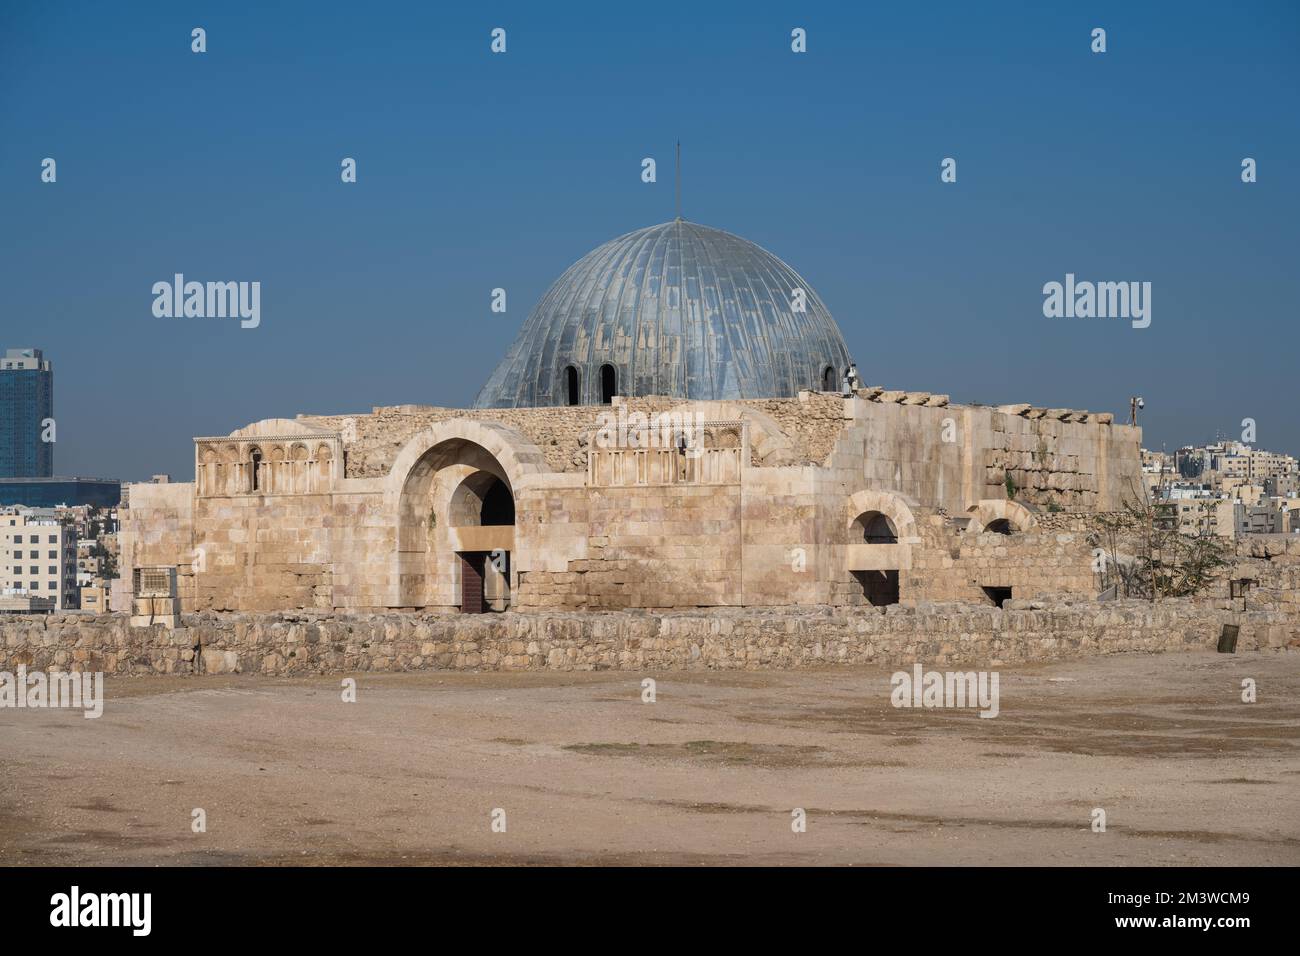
<point>108,567</point>
<point>1165,562</point>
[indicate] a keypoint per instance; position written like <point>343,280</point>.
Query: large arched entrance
<point>482,517</point>
<point>453,490</point>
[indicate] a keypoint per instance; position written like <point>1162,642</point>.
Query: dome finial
<point>679,179</point>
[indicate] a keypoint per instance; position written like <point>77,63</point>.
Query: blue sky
<point>478,170</point>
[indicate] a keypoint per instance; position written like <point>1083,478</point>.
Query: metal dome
<point>676,309</point>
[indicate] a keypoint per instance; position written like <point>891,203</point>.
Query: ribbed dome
<point>675,309</point>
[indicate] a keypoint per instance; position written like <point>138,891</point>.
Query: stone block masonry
<point>304,643</point>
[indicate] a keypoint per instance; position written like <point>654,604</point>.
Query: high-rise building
<point>26,409</point>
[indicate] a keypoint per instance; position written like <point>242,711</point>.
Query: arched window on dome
<point>828,379</point>
<point>608,384</point>
<point>571,385</point>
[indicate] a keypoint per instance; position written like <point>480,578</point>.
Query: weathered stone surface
<point>749,638</point>
<point>367,512</point>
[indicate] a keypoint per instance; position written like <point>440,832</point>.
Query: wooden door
<point>471,582</point>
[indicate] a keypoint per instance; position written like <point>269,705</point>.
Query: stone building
<point>674,427</point>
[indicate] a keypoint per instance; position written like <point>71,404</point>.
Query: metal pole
<point>679,179</point>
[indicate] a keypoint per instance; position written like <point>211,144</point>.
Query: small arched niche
<point>875,527</point>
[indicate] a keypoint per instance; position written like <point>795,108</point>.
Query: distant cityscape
<point>1227,488</point>
<point>59,534</point>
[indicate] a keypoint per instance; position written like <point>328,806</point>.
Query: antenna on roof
<point>679,179</point>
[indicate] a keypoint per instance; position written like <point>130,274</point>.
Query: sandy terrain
<point>587,773</point>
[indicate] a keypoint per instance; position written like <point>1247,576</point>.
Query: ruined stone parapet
<point>1073,415</point>
<point>750,639</point>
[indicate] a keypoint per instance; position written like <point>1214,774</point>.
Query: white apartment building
<point>38,557</point>
<point>1239,460</point>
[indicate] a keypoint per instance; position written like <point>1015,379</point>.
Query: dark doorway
<point>1000,526</point>
<point>498,505</point>
<point>998,596</point>
<point>828,379</point>
<point>471,581</point>
<point>608,384</point>
<point>879,587</point>
<point>571,384</point>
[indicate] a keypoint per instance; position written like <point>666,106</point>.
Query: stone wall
<point>1059,457</point>
<point>950,456</point>
<point>811,424</point>
<point>165,538</point>
<point>261,553</point>
<point>306,643</point>
<point>1032,565</point>
<point>1272,562</point>
<point>1072,522</point>
<point>770,525</point>
<point>648,547</point>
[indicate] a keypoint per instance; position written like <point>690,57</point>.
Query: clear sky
<point>478,171</point>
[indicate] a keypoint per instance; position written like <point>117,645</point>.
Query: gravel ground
<point>586,773</point>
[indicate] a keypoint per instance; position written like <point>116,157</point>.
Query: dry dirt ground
<point>709,774</point>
